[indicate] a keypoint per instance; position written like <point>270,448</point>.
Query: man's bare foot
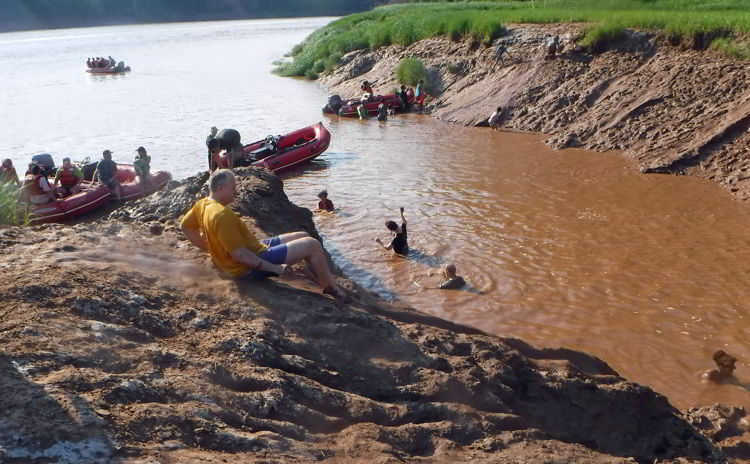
<point>337,293</point>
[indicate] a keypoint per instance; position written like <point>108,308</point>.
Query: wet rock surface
<point>676,108</point>
<point>130,347</point>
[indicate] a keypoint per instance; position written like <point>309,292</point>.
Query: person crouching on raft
<point>399,242</point>
<point>212,226</point>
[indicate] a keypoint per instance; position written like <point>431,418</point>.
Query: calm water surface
<point>566,248</point>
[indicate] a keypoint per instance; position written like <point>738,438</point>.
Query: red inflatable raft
<point>349,107</point>
<point>130,188</point>
<point>87,200</point>
<point>286,151</point>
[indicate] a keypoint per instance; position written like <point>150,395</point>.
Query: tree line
<point>47,14</point>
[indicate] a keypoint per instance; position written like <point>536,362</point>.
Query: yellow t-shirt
<point>223,232</point>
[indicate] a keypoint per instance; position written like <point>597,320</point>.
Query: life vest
<point>67,177</point>
<point>34,188</point>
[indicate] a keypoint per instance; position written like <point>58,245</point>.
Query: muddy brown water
<point>561,248</point>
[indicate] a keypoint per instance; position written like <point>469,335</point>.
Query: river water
<point>561,248</point>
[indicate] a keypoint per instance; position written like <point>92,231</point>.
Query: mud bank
<point>679,109</point>
<point>121,343</point>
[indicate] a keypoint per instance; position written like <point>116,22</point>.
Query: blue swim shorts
<point>276,254</point>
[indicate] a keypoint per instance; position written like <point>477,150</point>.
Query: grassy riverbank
<point>485,21</point>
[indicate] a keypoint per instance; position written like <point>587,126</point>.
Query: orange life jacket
<point>67,177</point>
<point>33,183</point>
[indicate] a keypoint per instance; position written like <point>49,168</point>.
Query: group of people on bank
<point>69,179</point>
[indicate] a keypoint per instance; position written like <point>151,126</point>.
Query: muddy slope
<point>120,343</point>
<point>674,108</point>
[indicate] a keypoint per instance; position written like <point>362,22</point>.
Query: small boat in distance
<point>101,65</point>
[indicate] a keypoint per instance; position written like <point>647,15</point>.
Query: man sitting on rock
<point>212,226</point>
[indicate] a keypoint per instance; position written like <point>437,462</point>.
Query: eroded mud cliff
<point>674,107</point>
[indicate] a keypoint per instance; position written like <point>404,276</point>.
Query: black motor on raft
<point>334,105</point>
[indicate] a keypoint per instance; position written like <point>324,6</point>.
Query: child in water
<point>324,203</point>
<point>399,241</point>
<point>725,366</point>
<point>454,282</point>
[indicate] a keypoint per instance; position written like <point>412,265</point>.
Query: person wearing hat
<point>142,165</point>
<point>106,172</point>
<point>69,177</point>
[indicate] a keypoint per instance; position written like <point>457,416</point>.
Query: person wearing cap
<point>8,174</point>
<point>69,177</point>
<point>229,140</point>
<point>106,173</point>
<point>142,165</point>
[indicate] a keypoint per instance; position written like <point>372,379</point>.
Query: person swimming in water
<point>725,366</point>
<point>454,281</point>
<point>325,204</point>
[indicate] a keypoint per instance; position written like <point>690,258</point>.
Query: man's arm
<point>390,245</point>
<point>248,258</point>
<point>403,219</point>
<point>194,235</point>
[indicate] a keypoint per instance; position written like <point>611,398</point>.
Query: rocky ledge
<point>674,107</point>
<point>120,343</point>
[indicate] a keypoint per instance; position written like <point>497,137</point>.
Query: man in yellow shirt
<point>213,227</point>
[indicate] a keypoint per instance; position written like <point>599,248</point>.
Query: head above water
<point>323,194</point>
<point>499,109</point>
<point>222,186</point>
<point>449,270</point>
<point>391,225</point>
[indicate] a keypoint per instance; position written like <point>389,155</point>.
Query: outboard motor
<point>45,161</point>
<point>334,104</point>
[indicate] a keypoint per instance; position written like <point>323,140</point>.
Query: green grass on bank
<point>404,24</point>
<point>11,211</point>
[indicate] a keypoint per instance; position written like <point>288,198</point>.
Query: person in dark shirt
<point>399,242</point>
<point>325,203</point>
<point>404,96</point>
<point>454,282</point>
<point>228,140</point>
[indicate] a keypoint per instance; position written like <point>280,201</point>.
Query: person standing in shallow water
<point>399,242</point>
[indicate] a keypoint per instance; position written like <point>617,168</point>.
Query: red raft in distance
<point>348,108</point>
<point>285,151</point>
